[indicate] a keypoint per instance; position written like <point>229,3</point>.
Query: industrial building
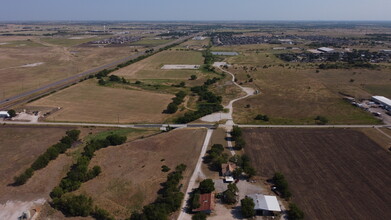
<point>265,204</point>
<point>381,100</point>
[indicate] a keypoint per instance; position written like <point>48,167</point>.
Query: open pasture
<point>150,68</point>
<point>332,173</point>
<point>59,62</point>
<point>89,102</point>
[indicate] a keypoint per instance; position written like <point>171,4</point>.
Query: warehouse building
<point>381,100</point>
<point>325,49</point>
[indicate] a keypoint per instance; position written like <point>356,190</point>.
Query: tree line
<point>50,154</point>
<point>72,205</point>
<point>169,199</point>
<point>281,184</point>
<point>176,101</point>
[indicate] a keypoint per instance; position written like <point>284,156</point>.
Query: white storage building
<point>4,114</point>
<point>382,101</point>
<point>265,204</point>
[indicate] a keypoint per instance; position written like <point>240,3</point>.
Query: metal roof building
<point>325,49</point>
<point>382,100</point>
<point>265,203</point>
<point>4,114</point>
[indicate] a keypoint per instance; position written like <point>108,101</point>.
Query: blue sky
<point>195,10</point>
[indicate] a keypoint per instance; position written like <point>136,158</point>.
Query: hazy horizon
<point>201,10</point>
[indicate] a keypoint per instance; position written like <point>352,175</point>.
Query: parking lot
<point>376,110</point>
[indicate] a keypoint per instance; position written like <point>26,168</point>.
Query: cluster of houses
<point>118,40</point>
<point>243,40</point>
<point>326,54</point>
<point>264,205</point>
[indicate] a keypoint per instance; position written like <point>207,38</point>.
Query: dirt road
<point>215,117</point>
<point>197,171</point>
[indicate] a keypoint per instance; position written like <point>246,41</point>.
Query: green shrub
<point>247,205</point>
<point>294,213</point>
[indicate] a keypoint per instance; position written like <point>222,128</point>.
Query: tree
<point>102,82</point>
<point>165,168</point>
<point>237,173</point>
<point>73,134</point>
<point>248,205</point>
<point>262,117</point>
<point>22,179</point>
<point>206,186</point>
<point>101,214</point>
<point>321,120</point>
<point>282,185</point>
<point>239,143</point>
<point>294,213</point>
<point>195,200</point>
<point>199,216</point>
<point>193,77</point>
<point>116,139</point>
<point>72,205</point>
<point>229,197</point>
<point>12,113</point>
<point>236,132</point>
<point>57,192</point>
<point>114,78</point>
<point>182,84</point>
<point>172,108</point>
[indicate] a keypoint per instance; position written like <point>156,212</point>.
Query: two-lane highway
<point>28,95</point>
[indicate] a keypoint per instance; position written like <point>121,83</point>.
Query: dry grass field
<point>150,68</point>
<point>332,173</point>
<point>58,62</point>
<point>295,93</point>
<point>89,102</point>
<point>131,173</point>
<point>19,147</point>
<point>295,97</point>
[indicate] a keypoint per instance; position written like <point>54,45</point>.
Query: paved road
<point>314,126</point>
<point>186,125</point>
<point>10,101</point>
<point>109,125</point>
<point>192,183</point>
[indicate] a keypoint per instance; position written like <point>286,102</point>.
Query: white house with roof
<point>265,204</point>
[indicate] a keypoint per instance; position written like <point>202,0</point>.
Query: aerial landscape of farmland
<point>149,111</point>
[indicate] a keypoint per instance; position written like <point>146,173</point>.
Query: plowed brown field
<point>332,173</point>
